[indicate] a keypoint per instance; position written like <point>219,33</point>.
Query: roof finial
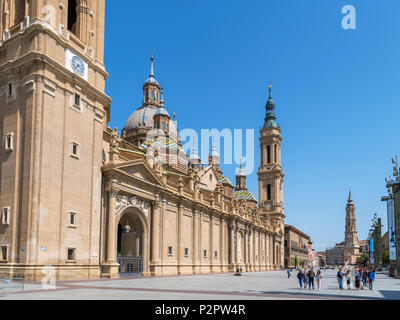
<point>162,97</point>
<point>152,65</point>
<point>350,200</point>
<point>270,91</point>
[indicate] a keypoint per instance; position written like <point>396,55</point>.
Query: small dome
<point>162,111</point>
<point>152,80</point>
<point>224,180</point>
<point>244,195</point>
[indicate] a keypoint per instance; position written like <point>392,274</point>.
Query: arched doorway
<point>132,242</point>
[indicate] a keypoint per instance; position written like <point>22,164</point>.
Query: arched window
<point>72,15</point>
<point>275,159</point>
<point>147,96</point>
<point>269,197</point>
<point>269,154</point>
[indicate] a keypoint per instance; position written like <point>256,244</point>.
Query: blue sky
<point>336,91</point>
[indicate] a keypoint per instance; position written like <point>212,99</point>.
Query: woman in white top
<point>348,279</point>
<point>319,278</point>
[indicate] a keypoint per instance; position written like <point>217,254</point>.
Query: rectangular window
<point>77,99</point>
<point>72,219</point>
<point>205,253</point>
<point>10,89</point>
<point>72,15</point>
<point>170,251</point>
<point>186,252</point>
<point>75,150</point>
<point>216,254</point>
<point>4,253</point>
<point>269,195</point>
<point>71,254</point>
<point>5,216</point>
<point>9,143</point>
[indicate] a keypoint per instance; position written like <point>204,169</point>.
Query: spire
<point>152,66</point>
<point>151,79</point>
<point>162,97</point>
<point>194,158</point>
<point>240,172</point>
<point>270,119</point>
<point>350,199</point>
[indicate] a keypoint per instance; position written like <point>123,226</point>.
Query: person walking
<point>319,279</point>
<point>301,277</point>
<point>311,276</point>
<point>305,279</point>
<point>288,273</point>
<point>371,278</point>
<point>339,277</point>
<point>358,278</point>
<point>348,279</point>
<point>364,278</point>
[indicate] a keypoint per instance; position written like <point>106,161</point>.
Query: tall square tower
<point>53,111</point>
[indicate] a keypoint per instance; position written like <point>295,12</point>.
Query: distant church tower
<point>52,118</point>
<point>270,174</point>
<point>351,246</point>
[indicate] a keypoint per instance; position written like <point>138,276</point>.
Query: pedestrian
<point>339,277</point>
<point>288,273</point>
<point>301,277</point>
<point>358,278</point>
<point>364,278</point>
<point>319,279</point>
<point>305,279</point>
<point>371,278</point>
<point>348,279</point>
<point>311,276</point>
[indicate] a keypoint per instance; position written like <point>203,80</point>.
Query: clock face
<point>78,65</point>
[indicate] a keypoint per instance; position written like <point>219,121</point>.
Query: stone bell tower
<point>270,174</point>
<point>52,117</point>
<point>270,179</point>
<point>351,246</point>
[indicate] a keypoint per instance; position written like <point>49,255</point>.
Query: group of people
<point>308,278</point>
<point>363,276</point>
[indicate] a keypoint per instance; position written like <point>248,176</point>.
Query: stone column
<point>236,261</point>
<point>250,255</point>
<point>195,253</point>
<point>211,243</point>
<point>200,252</point>
<point>274,252</point>
<point>221,244</point>
<point>254,251</point>
<point>259,250</point>
<point>180,238</point>
<point>231,247</point>
<point>266,250</point>
<point>245,248</point>
<point>155,237</point>
<point>110,267</point>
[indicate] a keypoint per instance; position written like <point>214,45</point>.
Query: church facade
<point>93,202</point>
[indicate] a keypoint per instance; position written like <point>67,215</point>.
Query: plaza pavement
<point>250,286</point>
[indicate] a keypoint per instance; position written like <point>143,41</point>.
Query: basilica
<point>92,202</point>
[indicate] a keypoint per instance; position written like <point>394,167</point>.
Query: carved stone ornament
<point>125,201</point>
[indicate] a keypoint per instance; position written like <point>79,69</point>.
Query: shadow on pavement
<point>390,295</point>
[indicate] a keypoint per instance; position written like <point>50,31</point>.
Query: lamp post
<point>393,186</point>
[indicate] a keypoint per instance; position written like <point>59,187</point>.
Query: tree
<point>385,257</point>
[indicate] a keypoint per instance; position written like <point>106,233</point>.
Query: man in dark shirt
<point>311,276</point>
<point>339,277</point>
